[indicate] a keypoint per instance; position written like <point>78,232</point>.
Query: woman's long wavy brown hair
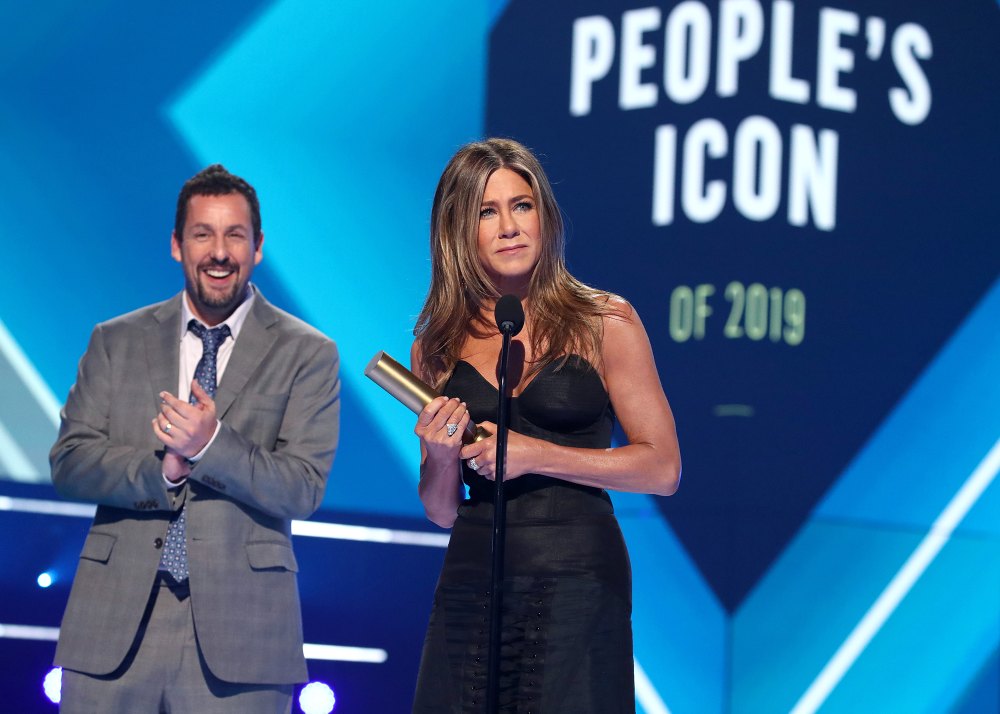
<point>565,315</point>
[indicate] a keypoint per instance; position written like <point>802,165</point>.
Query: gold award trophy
<point>409,389</point>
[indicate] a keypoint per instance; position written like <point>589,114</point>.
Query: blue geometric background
<point>884,596</point>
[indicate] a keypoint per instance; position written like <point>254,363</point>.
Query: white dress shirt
<point>191,348</point>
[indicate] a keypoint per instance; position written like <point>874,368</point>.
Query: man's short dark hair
<point>215,180</point>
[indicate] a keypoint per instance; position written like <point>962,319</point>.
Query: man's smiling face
<point>218,252</point>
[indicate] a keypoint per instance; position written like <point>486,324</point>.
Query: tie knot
<point>210,338</point>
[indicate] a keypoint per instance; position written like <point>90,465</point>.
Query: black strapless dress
<point>567,634</point>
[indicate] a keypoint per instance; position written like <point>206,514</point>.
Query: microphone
<point>509,314</point>
<point>409,389</point>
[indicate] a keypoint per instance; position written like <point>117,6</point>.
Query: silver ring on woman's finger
<point>473,465</point>
<point>167,428</point>
<point>452,428</point>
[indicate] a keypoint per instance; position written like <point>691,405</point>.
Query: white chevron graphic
<point>29,414</point>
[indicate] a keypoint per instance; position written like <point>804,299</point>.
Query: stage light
<point>53,685</point>
<point>317,698</point>
<point>45,579</point>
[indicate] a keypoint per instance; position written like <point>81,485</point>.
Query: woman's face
<point>509,231</point>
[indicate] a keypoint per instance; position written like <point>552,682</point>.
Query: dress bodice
<point>565,404</point>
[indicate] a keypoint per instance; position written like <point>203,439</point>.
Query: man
<point>201,426</point>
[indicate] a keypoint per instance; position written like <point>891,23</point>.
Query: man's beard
<point>220,301</point>
<point>214,301</point>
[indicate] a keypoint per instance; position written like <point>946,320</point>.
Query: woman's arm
<point>649,463</point>
<point>440,485</point>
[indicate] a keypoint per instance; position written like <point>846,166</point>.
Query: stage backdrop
<point>799,199</point>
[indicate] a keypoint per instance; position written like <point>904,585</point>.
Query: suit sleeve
<point>87,464</point>
<point>289,480</point>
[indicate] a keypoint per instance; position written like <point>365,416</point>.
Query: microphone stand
<point>499,527</point>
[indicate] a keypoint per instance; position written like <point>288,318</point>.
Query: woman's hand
<point>522,452</point>
<point>440,426</point>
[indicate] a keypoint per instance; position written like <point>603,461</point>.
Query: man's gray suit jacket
<point>278,402</point>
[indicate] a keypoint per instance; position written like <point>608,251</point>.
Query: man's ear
<point>175,246</point>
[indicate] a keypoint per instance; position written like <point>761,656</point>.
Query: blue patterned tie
<point>174,557</point>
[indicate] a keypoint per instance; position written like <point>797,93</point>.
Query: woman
<point>581,360</point>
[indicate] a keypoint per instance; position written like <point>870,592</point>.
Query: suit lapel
<point>162,350</point>
<point>251,347</point>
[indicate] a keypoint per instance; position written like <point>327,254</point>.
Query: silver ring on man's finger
<point>167,428</point>
<point>473,465</point>
<point>452,428</point>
